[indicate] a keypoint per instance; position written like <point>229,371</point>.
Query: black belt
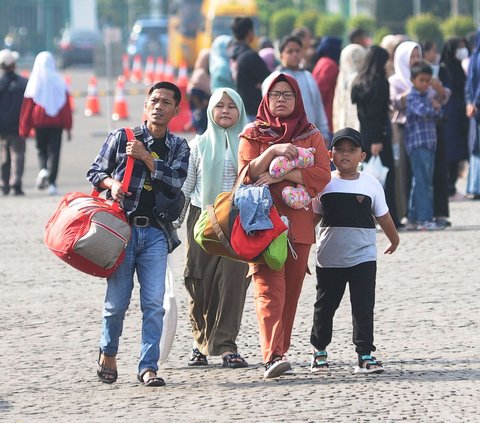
<point>143,221</point>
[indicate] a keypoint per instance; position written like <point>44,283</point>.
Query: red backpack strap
<point>130,160</point>
<point>128,170</point>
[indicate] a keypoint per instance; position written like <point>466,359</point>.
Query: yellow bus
<point>194,24</point>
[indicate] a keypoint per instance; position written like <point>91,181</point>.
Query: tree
<point>307,19</point>
<point>424,27</point>
<point>458,26</point>
<point>282,23</point>
<point>362,21</point>
<point>333,25</point>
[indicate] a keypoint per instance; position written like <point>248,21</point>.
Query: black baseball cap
<point>350,134</point>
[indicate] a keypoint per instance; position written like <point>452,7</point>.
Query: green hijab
<point>211,146</point>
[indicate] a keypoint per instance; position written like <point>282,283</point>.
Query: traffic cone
<point>92,106</point>
<point>126,66</point>
<point>182,122</point>
<point>159,69</point>
<point>136,75</point>
<point>120,108</point>
<point>149,75</point>
<point>168,75</point>
<point>68,81</point>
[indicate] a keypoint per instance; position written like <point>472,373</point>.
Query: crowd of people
<point>414,109</point>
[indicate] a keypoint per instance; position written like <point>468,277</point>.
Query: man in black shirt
<point>248,68</point>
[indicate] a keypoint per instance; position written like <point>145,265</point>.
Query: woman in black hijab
<point>455,126</point>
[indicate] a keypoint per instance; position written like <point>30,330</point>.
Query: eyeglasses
<point>287,95</point>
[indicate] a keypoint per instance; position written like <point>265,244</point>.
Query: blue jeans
<point>420,206</point>
<point>146,254</point>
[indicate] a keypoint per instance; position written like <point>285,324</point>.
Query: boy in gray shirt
<point>346,250</point>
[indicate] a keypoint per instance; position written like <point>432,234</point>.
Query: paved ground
<point>426,332</point>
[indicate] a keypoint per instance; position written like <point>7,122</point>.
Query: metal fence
<point>30,26</point>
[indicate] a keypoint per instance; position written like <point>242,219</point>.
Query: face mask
<point>461,53</point>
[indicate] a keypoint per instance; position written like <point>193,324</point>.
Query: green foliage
<point>380,33</point>
<point>457,26</point>
<point>333,25</point>
<point>307,19</point>
<point>424,27</point>
<point>362,21</point>
<point>266,8</point>
<point>282,22</point>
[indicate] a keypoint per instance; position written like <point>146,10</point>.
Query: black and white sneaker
<point>291,370</point>
<point>276,368</point>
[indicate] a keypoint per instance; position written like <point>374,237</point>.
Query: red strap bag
<point>88,232</point>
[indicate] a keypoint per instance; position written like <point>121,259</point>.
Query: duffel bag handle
<point>127,176</point>
<point>239,180</point>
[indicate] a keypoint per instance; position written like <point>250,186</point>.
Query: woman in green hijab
<point>216,285</point>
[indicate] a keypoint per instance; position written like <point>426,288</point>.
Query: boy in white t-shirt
<point>346,250</point>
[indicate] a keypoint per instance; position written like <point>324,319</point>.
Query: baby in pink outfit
<point>294,197</point>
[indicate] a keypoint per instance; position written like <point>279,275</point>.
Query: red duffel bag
<point>88,232</point>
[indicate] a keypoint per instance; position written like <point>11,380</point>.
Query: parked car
<point>77,46</point>
<point>149,37</point>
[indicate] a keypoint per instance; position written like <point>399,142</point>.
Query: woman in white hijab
<point>344,111</point>
<point>46,109</point>
<point>405,55</point>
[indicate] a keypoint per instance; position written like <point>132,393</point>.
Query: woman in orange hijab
<point>280,128</point>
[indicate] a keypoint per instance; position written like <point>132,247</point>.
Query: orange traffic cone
<point>126,66</point>
<point>159,69</point>
<point>149,75</point>
<point>68,81</point>
<point>168,72</point>
<point>92,106</point>
<point>136,75</point>
<point>182,122</point>
<point>120,108</point>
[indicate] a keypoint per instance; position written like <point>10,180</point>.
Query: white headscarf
<point>45,86</point>
<point>352,58</point>
<point>401,62</point>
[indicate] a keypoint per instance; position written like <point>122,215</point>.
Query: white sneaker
<point>42,179</point>
<point>430,226</point>
<point>52,190</point>
<point>276,369</point>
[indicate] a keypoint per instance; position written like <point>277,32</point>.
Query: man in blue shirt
<point>161,164</point>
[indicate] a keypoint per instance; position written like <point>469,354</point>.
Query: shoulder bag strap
<point>241,176</point>
<point>128,171</point>
<point>130,160</point>
<point>218,230</point>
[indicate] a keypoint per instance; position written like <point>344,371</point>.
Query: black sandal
<point>105,374</point>
<point>197,358</point>
<point>152,381</point>
<point>234,361</point>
